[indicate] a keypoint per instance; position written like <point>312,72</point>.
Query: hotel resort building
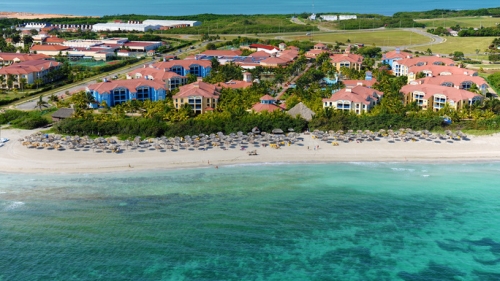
<point>266,103</point>
<point>435,97</point>
<point>402,67</point>
<point>438,70</point>
<point>200,68</point>
<point>120,91</point>
<point>10,58</point>
<point>358,99</point>
<point>31,71</point>
<point>458,81</point>
<point>347,60</point>
<point>170,79</point>
<point>202,97</point>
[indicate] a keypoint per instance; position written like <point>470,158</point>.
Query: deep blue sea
<point>190,7</point>
<point>347,221</point>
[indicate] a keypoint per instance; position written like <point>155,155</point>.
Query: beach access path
<point>16,158</point>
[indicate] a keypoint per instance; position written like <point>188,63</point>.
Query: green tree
<point>41,103</point>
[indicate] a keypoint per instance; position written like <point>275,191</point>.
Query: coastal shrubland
<point>25,119</point>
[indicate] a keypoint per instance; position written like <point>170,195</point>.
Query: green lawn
<point>464,22</point>
<point>378,38</point>
<point>8,95</point>
<point>467,45</point>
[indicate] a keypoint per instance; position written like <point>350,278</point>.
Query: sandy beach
<point>25,15</point>
<point>16,158</point>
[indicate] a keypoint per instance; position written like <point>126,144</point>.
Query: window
<point>175,83</point>
<point>447,84</point>
<point>143,93</point>
<point>119,96</point>
<point>177,69</point>
<point>195,69</point>
<point>466,85</point>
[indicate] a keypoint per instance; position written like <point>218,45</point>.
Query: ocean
<point>191,7</point>
<point>344,221</point>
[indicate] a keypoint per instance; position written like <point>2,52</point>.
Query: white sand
<point>26,15</point>
<point>14,157</point>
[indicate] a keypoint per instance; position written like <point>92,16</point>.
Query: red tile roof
<point>54,40</point>
<point>22,57</point>
<point>49,48</point>
<point>260,107</point>
<point>272,61</point>
<point>353,58</point>
<point>426,60</point>
<point>131,85</point>
<point>431,90</point>
<point>354,83</point>
<point>183,63</point>
<point>456,80</point>
<point>198,88</point>
<point>260,54</point>
<point>235,84</point>
<point>267,97</point>
<point>27,67</point>
<point>397,55</point>
<point>437,70</point>
<point>222,53</point>
<point>358,94</point>
<point>156,74</point>
<point>261,46</point>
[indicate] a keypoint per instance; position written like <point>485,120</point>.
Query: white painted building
<point>172,23</point>
<point>347,17</point>
<point>114,26</point>
<point>329,17</point>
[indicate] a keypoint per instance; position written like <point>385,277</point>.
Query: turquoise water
<point>352,221</point>
<point>190,7</point>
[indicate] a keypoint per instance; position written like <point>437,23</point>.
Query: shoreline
<point>18,159</point>
<point>30,15</point>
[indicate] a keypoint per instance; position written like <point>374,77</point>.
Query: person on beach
<point>216,167</point>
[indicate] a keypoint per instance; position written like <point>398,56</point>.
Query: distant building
<point>119,26</point>
<point>120,91</point>
<point>347,17</point>
<point>172,23</point>
<point>238,84</point>
<point>329,17</point>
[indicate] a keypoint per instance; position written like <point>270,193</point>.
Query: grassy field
<point>8,95</point>
<point>378,38</point>
<point>464,22</point>
<point>467,45</point>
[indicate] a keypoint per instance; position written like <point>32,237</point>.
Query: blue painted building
<point>200,68</point>
<point>120,91</point>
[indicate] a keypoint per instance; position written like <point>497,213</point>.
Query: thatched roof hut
<point>62,113</point>
<point>302,110</point>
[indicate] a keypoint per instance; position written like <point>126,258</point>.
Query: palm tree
<point>41,103</point>
<point>22,83</point>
